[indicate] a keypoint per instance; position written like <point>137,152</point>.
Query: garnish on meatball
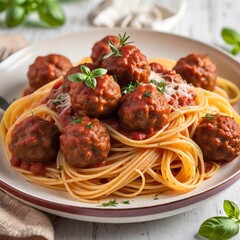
<point>94,93</point>
<point>177,92</point>
<point>130,66</point>
<point>75,69</point>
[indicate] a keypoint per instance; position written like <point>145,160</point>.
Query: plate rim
<point>107,212</point>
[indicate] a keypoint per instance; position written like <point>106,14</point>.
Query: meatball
<point>97,102</point>
<point>198,70</point>
<point>218,136</point>
<point>167,75</point>
<point>75,69</point>
<point>156,67</point>
<point>177,91</point>
<point>101,48</point>
<point>130,66</point>
<point>85,144</point>
<point>144,109</point>
<point>35,140</point>
<point>46,69</point>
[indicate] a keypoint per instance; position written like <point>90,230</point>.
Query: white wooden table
<point>202,21</point>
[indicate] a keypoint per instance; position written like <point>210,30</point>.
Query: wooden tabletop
<point>203,20</point>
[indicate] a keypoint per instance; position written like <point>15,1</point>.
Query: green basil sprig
<point>4,4</point>
<point>221,227</point>
<point>231,37</point>
<point>16,11</point>
<point>87,76</point>
<point>15,15</point>
<point>51,13</point>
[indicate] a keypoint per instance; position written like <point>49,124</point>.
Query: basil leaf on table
<point>230,36</point>
<point>15,16</point>
<point>19,2</point>
<point>236,49</point>
<point>51,13</point>
<point>4,5</point>
<point>231,209</point>
<point>219,228</point>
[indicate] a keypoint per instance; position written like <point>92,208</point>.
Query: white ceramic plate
<point>76,46</point>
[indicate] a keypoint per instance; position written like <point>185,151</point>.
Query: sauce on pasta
<point>138,162</point>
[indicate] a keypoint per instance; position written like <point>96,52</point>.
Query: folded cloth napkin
<point>10,43</point>
<point>125,13</point>
<point>19,221</point>
<point>134,14</point>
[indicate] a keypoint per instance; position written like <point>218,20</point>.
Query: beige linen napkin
<point>10,43</point>
<point>17,220</point>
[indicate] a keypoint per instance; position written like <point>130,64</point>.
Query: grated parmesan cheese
<point>182,89</point>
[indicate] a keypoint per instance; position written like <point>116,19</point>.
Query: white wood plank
<point>202,21</point>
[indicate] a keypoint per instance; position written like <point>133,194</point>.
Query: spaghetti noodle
<point>168,160</point>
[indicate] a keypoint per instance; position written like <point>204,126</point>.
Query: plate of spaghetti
<point>117,126</point>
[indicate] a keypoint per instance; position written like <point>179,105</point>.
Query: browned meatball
<point>46,69</point>
<point>98,102</point>
<point>198,70</point>
<point>156,67</point>
<point>75,69</point>
<point>176,90</point>
<point>167,75</point>
<point>218,136</point>
<point>101,48</point>
<point>144,109</point>
<point>130,66</point>
<point>85,144</point>
<point>35,140</point>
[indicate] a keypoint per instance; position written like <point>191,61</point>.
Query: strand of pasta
<point>225,88</point>
<point>230,89</point>
<point>133,167</point>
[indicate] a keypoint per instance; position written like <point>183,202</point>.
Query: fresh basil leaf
<point>235,50</point>
<point>231,209</point>
<point>51,13</point>
<point>91,82</point>
<point>18,2</point>
<point>15,16</point>
<point>219,228</point>
<point>230,36</point>
<point>99,72</point>
<point>77,77</point>
<point>85,70</point>
<point>87,76</point>
<point>4,4</point>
